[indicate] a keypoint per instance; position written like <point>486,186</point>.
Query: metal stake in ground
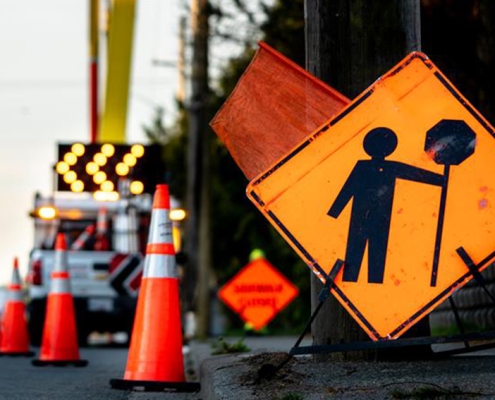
<point>449,142</point>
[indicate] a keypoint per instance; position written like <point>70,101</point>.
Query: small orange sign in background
<point>258,292</point>
<point>382,187</point>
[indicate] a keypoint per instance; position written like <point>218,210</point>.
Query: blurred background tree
<point>459,36</point>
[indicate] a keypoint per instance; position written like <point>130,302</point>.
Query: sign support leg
<point>322,297</point>
<point>474,269</point>
<point>267,371</point>
<point>458,320</point>
<point>406,342</point>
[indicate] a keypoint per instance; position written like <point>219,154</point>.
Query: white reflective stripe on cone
<point>60,261</point>
<point>16,277</point>
<point>15,295</point>
<point>161,227</point>
<point>159,266</point>
<point>60,285</point>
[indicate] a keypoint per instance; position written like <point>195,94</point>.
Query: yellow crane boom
<point>119,52</point>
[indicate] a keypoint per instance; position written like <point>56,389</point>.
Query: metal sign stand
<point>267,371</point>
<point>382,344</point>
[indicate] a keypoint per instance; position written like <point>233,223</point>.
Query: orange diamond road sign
<point>258,292</point>
<point>393,185</point>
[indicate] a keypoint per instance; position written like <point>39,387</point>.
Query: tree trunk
<point>349,44</point>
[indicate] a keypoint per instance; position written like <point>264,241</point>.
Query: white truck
<point>104,278</point>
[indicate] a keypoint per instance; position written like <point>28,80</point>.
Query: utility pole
<point>197,279</point>
<point>349,44</point>
<point>181,62</point>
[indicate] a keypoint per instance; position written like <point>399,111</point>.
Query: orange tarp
<point>274,106</point>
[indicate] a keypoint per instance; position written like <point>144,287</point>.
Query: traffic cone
<point>83,238</point>
<point>155,360</point>
<point>15,336</point>
<point>59,343</point>
<point>102,243</point>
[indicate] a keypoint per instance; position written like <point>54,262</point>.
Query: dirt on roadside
<point>280,376</point>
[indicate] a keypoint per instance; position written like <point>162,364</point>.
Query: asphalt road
<point>20,380</point>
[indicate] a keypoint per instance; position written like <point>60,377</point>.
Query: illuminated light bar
<point>107,186</point>
<point>70,158</point>
<point>92,168</point>
<point>122,169</point>
<point>136,187</point>
<point>62,167</point>
<point>78,149</point>
<point>136,162</point>
<point>77,186</point>
<point>105,196</point>
<point>176,238</point>
<point>100,159</point>
<point>47,212</point>
<point>137,150</point>
<point>69,177</point>
<point>130,160</point>
<point>108,149</point>
<point>99,177</point>
<point>177,214</point>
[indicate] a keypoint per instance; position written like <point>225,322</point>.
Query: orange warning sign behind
<point>393,186</point>
<point>258,293</point>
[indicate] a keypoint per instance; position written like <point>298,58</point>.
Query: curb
<point>229,377</point>
<point>217,382</point>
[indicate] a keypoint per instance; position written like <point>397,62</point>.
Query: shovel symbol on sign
<point>449,142</point>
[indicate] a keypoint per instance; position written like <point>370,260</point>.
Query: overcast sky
<point>44,97</point>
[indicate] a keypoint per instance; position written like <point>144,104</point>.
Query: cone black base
<point>154,386</point>
<point>18,354</point>
<point>59,363</point>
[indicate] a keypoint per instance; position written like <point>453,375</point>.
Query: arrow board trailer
<point>106,242</point>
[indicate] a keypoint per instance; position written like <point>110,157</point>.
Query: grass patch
<point>221,346</point>
<point>454,330</point>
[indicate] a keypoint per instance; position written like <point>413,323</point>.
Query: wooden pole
<point>349,44</point>
<point>181,63</point>
<point>197,197</point>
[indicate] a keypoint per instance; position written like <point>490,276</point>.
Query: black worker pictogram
<point>371,187</point>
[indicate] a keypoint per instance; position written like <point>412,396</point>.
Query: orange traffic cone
<point>15,337</point>
<point>59,343</point>
<point>83,238</point>
<point>155,360</point>
<point>102,243</point>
